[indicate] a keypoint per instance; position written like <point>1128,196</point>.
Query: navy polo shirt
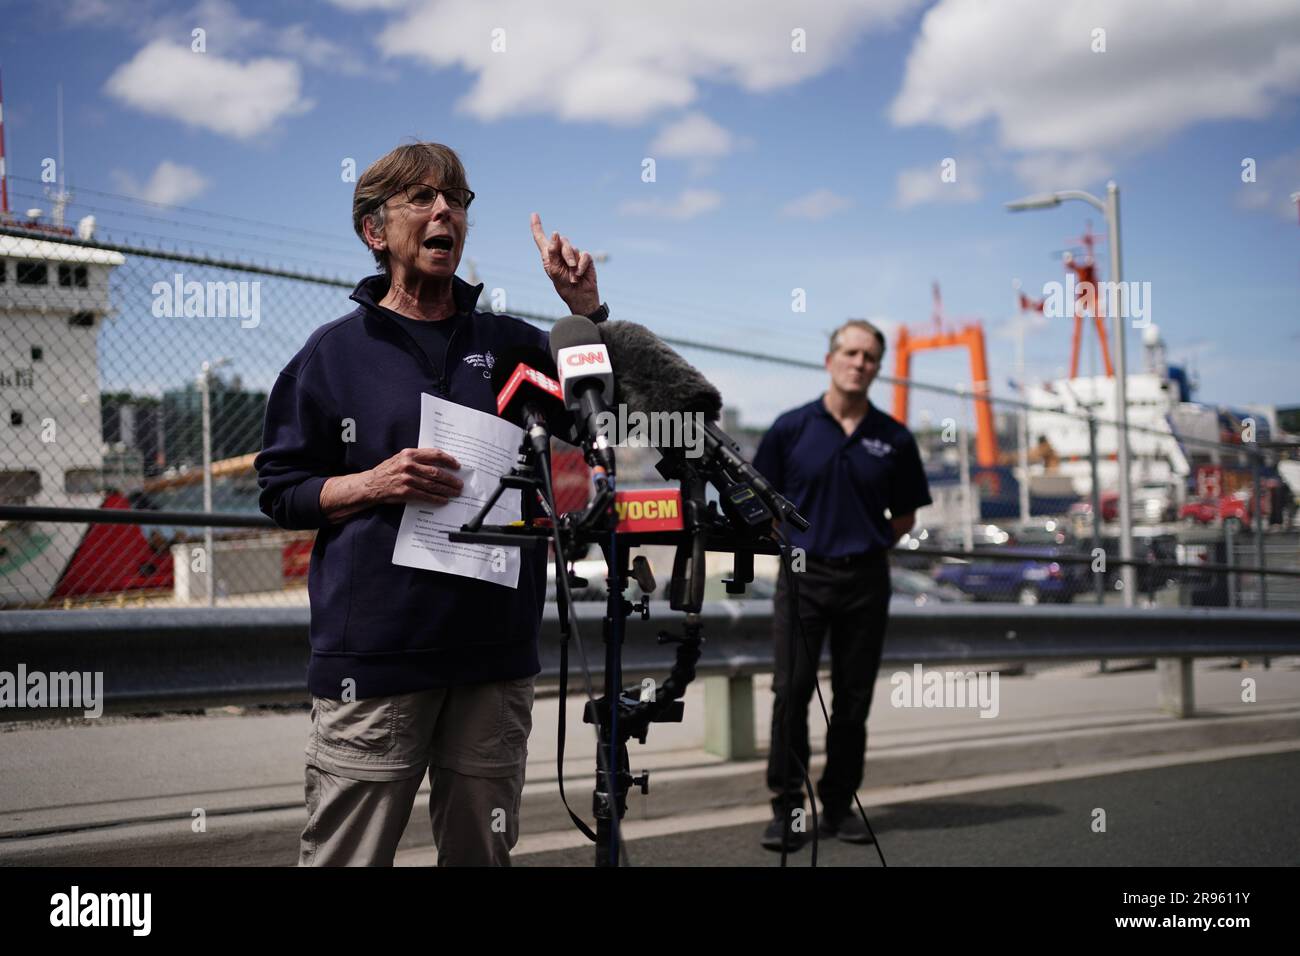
<point>843,483</point>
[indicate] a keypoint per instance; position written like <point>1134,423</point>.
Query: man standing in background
<point>855,474</point>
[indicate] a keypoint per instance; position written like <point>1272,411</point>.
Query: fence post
<point>1230,555</point>
<point>729,716</point>
<point>1177,695</point>
<point>1257,502</point>
<point>1099,582</point>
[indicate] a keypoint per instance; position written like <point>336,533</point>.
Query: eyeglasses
<point>422,196</point>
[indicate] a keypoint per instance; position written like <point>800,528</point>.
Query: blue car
<point>1027,576</point>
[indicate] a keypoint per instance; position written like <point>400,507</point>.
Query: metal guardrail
<point>158,658</point>
<point>140,516</point>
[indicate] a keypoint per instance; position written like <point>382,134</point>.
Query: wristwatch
<point>601,314</point>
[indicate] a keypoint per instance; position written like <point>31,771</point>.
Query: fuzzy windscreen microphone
<point>651,377</point>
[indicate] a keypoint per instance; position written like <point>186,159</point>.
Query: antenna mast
<point>4,180</point>
<point>59,195</point>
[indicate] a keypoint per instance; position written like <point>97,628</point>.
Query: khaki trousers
<point>366,758</point>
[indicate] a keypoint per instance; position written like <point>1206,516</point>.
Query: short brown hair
<point>862,324</point>
<point>409,163</point>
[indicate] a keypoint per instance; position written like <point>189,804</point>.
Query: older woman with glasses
<point>411,669</point>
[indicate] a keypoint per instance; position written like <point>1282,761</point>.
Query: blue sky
<point>776,168</point>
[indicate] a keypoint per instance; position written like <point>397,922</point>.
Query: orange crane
<point>970,336</point>
<point>1087,300</point>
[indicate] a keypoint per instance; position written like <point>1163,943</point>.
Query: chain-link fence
<point>130,375</point>
<point>1029,485</point>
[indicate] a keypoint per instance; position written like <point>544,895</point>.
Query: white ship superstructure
<point>1159,415</point>
<point>53,300</point>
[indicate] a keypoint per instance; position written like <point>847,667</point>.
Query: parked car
<point>1029,575</point>
<point>1237,508</point>
<point>1150,503</point>
<point>909,586</point>
<point>1044,531</point>
<point>921,589</point>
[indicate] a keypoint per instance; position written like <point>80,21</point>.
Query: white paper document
<point>486,447</point>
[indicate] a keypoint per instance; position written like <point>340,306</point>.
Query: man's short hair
<point>862,324</point>
<point>412,163</point>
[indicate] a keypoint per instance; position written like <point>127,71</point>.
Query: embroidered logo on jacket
<point>877,447</point>
<point>483,360</point>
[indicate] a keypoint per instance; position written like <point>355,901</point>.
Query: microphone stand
<point>525,476</point>
<point>620,715</point>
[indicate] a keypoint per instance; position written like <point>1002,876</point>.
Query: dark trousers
<point>851,603</point>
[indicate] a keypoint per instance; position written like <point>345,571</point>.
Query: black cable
<point>783,765</point>
<point>278,227</point>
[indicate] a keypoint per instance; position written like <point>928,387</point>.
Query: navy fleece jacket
<point>390,628</point>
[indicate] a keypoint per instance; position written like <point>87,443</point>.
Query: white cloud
<point>622,63</point>
<point>818,204</point>
<point>296,41</point>
<point>686,205</point>
<point>363,6</point>
<point>170,184</point>
<point>694,135</point>
<point>1046,172</point>
<point>1028,68</point>
<point>80,12</point>
<point>227,32</point>
<point>208,92</point>
<point>230,33</point>
<point>922,184</point>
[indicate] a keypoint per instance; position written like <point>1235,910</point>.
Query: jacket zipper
<point>414,348</point>
<point>446,357</point>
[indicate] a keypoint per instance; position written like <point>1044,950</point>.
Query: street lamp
<point>1110,208</point>
<point>205,388</point>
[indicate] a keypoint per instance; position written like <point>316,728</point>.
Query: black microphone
<point>528,395</point>
<point>654,378</point>
<point>587,379</point>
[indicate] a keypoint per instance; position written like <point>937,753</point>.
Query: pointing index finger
<point>539,237</point>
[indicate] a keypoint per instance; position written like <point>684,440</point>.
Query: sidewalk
<point>121,790</point>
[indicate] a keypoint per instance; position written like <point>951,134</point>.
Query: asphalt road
<point>1238,812</point>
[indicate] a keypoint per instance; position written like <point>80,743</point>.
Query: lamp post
<point>1022,416</point>
<point>1109,207</point>
<point>205,388</point>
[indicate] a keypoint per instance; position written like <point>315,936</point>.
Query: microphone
<point>654,378</point>
<point>587,381</point>
<point>529,396</point>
